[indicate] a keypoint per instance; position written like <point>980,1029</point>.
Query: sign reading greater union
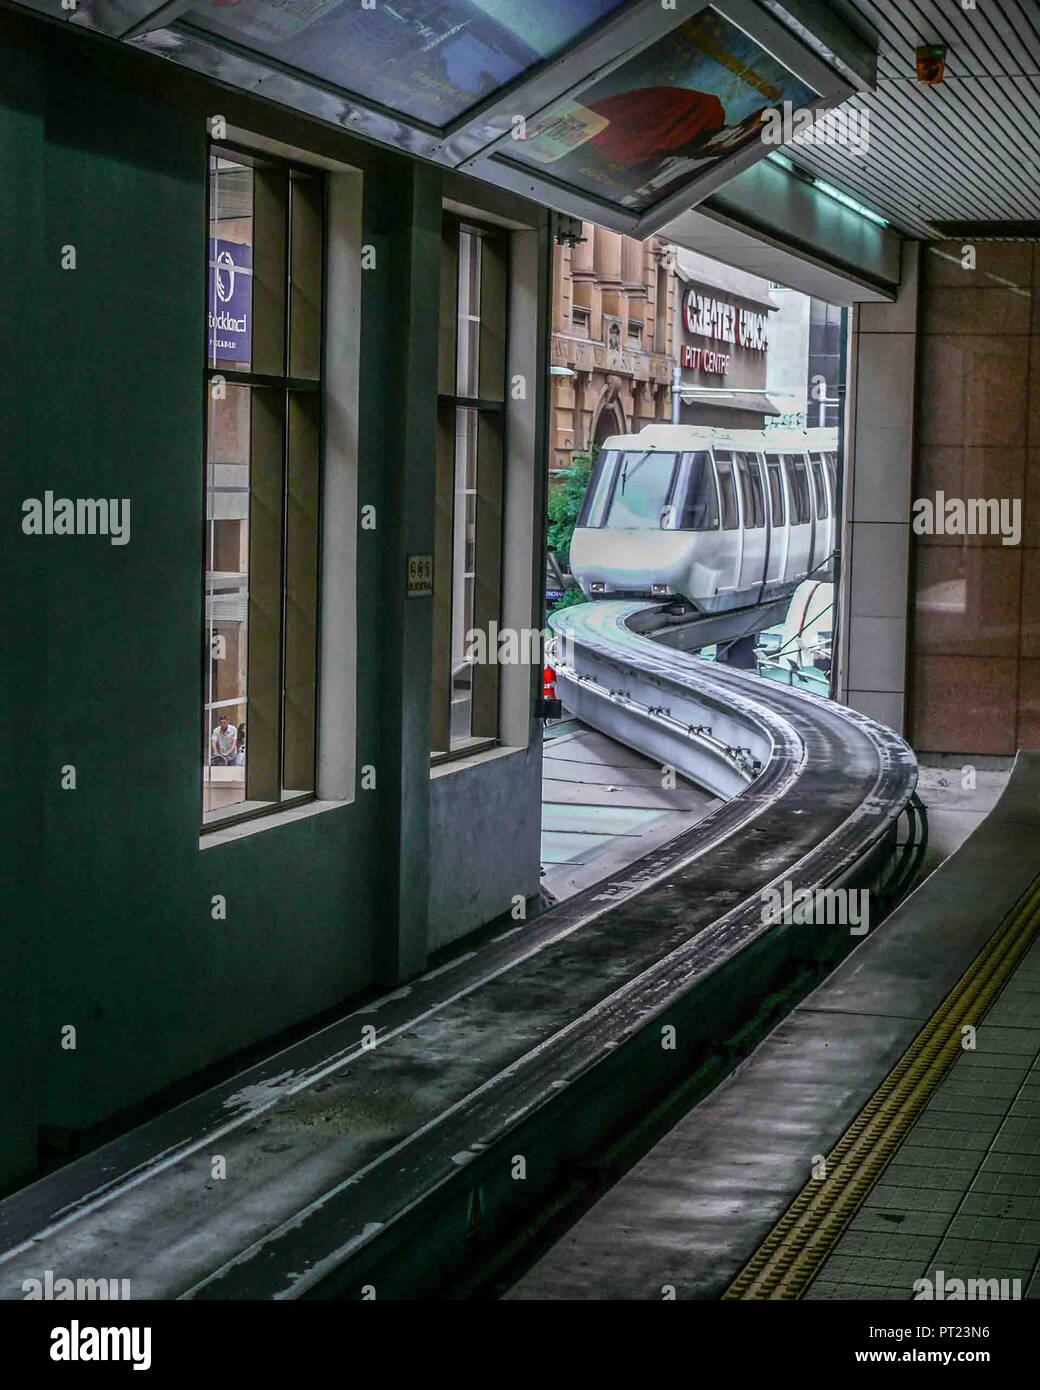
<point>230,301</point>
<point>715,318</point>
<point>420,575</point>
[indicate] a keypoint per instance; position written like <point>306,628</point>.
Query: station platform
<point>864,1145</point>
<point>962,1194</point>
<point>605,805</point>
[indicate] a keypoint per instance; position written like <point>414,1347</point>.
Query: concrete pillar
<point>613,299</point>
<point>633,271</point>
<point>410,219</point>
<point>876,543</point>
<point>583,256</point>
<point>562,290</point>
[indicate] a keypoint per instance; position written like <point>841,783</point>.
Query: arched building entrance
<point>609,417</point>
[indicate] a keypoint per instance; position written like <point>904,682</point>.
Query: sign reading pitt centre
<point>229,302</point>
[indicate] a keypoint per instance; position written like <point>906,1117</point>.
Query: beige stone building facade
<point>612,348</point>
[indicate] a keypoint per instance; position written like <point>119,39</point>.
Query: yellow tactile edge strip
<point>789,1258</point>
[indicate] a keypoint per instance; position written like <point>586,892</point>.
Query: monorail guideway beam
<point>619,669</point>
<point>690,631</point>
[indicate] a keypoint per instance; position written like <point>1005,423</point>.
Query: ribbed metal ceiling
<point>967,149</point>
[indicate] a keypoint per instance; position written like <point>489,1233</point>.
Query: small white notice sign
<point>420,576</point>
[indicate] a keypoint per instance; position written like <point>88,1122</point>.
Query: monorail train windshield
<point>651,489</point>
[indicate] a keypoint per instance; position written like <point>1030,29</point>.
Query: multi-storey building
<point>612,339</point>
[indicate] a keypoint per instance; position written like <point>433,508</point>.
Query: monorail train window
<point>758,501</point>
<point>820,484</point>
<point>776,489</point>
<point>751,492</point>
<point>728,493</point>
<point>594,503</point>
<point>642,490</point>
<point>830,463</point>
<point>798,486</point>
<point>700,507</point>
<point>740,463</point>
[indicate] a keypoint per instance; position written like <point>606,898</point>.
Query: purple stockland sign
<point>230,301</point>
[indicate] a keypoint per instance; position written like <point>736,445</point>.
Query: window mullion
<point>263,732</point>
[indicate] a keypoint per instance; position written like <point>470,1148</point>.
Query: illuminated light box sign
<point>429,59</point>
<point>229,302</point>
<point>679,107</point>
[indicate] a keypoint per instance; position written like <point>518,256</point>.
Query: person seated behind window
<point>240,753</point>
<point>222,743</point>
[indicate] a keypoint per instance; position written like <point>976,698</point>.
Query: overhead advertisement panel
<point>655,131</point>
<point>429,59</point>
<point>677,109</point>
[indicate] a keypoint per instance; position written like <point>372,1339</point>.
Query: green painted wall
<point>109,923</point>
<point>106,895</point>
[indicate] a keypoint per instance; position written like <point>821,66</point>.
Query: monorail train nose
<point>654,563</point>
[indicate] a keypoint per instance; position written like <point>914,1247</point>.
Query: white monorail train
<point>725,519</point>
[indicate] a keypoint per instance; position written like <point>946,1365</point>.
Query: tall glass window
<point>751,492</point>
<point>263,442</point>
<point>470,452</point>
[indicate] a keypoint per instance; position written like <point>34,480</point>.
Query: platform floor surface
<point>962,1193</point>
<point>604,805</point>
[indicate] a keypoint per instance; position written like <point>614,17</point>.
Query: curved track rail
<point>388,1160</point>
<point>831,780</point>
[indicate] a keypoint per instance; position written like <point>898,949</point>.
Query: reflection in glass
<point>429,59</point>
<point>463,570</point>
<point>229,300</point>
<point>467,366</point>
<point>227,595</point>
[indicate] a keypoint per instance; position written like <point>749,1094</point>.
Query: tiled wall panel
<point>975,603</point>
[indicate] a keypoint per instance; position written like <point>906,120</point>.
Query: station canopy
<point>623,112</point>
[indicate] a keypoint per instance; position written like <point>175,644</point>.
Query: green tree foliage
<point>572,596</point>
<point>564,505</point>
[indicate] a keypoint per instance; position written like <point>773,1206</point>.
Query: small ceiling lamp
<point>931,62</point>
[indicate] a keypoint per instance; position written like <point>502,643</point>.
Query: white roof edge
<point>725,279</point>
<point>680,436</point>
